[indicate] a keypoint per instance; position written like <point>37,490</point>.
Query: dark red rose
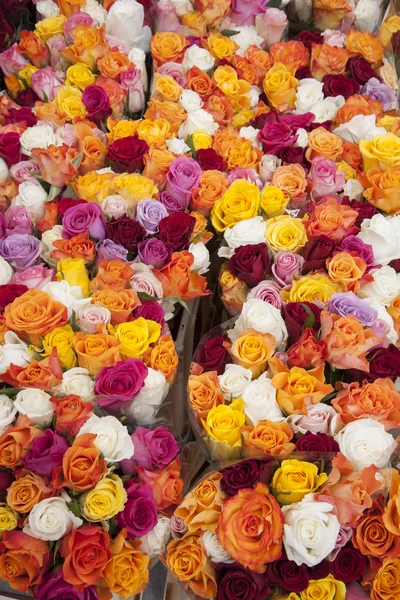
<point>361,70</point>
<point>395,264</point>
<point>303,73</point>
<point>209,160</point>
<point>259,121</point>
<point>317,443</point>
<point>21,115</point>
<point>125,231</point>
<point>275,136</point>
<point>349,564</point>
<point>245,474</point>
<point>384,362</point>
<point>320,571</point>
<point>9,292</point>
<point>151,311</point>
<point>339,85</point>
<point>127,154</point>
<point>10,148</point>
<point>176,230</point>
<point>96,102</point>
<point>309,38</point>
<point>294,155</point>
<point>27,98</point>
<point>296,121</point>
<point>287,575</point>
<point>236,582</point>
<point>326,125</point>
<point>297,315</point>
<point>365,209</point>
<point>316,252</point>
<point>250,263</point>
<point>6,480</point>
<point>212,355</point>
<point>66,203</point>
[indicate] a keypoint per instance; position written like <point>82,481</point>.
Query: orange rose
<point>70,7</point>
<point>168,47</point>
<point>120,304</point>
<point>391,515</point>
<point>329,14</point>
<point>331,219</point>
<point>199,82</point>
<point>85,552</point>
<point>224,141</point>
<point>79,246</point>
<point>291,179</point>
<point>170,111</point>
<point>23,560</point>
<point>157,162</point>
<point>92,148</point>
<point>252,350</point>
<point>261,60</point>
<point>56,164</point>
<point>188,561</point>
<point>347,269</point>
<point>213,11</point>
<point>202,507</point>
<point>179,281</point>
<point>394,312</point>
<point>323,143</point>
<point>113,64</point>
<point>43,375</point>
<point>82,465</point>
<point>49,111</point>
<point>199,233</point>
<point>8,191</point>
<point>26,491</point>
<point>165,484</point>
<point>127,571</point>
<point>358,105</point>
<point>386,584</point>
<point>272,439</point>
<point>34,314</point>
<point>280,88</point>
<point>251,528</point>
<point>245,69</point>
<point>113,274</point>
<point>70,414</point>
<point>384,192</point>
<point>378,400</point>
<point>347,341</point>
<point>50,217</point>
<point>89,45</point>
<point>298,388</point>
<point>352,155</point>
<point>163,357</point>
<point>213,184</point>
<point>293,54</point>
<point>15,443</point>
<point>364,43</point>
<point>96,351</point>
<point>33,48</point>
<point>328,60</point>
<point>307,351</point>
<point>204,393</point>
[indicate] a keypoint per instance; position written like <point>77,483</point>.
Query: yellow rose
<point>324,589</point>
<point>136,336</point>
<point>121,129</point>
<point>241,201</point>
<point>8,518</point>
<point>195,22</point>
<point>154,132</point>
<point>134,187</point>
<point>223,425</point>
<point>49,27</point>
<point>273,201</point>
<point>69,101</point>
<point>383,152</point>
<point>387,122</point>
<point>201,140</point>
<point>311,287</point>
<point>61,338</point>
<point>285,233</point>
<point>73,270</point>
<point>93,186</point>
<point>236,89</point>
<point>280,88</point>
<point>388,28</point>
<point>79,76</point>
<point>26,73</point>
<point>242,118</point>
<point>349,172</point>
<point>294,479</point>
<point>221,46</point>
<point>167,87</point>
<point>244,155</point>
<point>105,500</point>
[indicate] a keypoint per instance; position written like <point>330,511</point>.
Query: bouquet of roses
<point>315,526</point>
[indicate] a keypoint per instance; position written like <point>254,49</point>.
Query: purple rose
<point>172,203</point>
<point>20,250</point>
<point>154,448</point>
<point>53,587</point>
<point>267,291</point>
<point>154,252</point>
<point>46,452</point>
<point>352,243</point>
<point>379,91</point>
<point>245,474</point>
<point>96,102</point>
<point>140,512</point>
<point>275,136</point>
<point>18,220</point>
<point>347,303</point>
<point>286,267</point>
<point>235,582</point>
<point>245,12</point>
<point>149,213</point>
<point>119,385</point>
<point>84,217</point>
<point>108,250</point>
<point>183,175</point>
<point>150,310</point>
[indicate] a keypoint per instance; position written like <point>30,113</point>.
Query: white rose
<point>3,170</point>
<point>36,405</point>
<point>214,550</point>
<point>365,443</point>
<point>326,109</point>
<point>359,128</point>
<point>353,189</point>
<point>177,146</point>
<point>367,15</point>
<point>69,295</point>
<point>302,138</point>
<point>38,136</point>
<point>33,197</point>
<point>309,94</point>
<point>50,520</point>
<point>268,165</point>
<point>147,402</point>
<point>303,9</point>
<point>91,317</point>
<point>385,287</point>
<point>143,280</point>
<point>8,412</point>
<point>247,37</point>
<point>201,258</point>
<point>249,231</point>
<point>96,11</point>
<point>13,351</point>
<point>254,95</point>
<point>383,315</point>
<point>263,317</point>
<point>198,57</point>
<point>383,234</point>
<point>50,236</point>
<point>234,381</point>
<point>77,381</point>
<point>138,57</point>
<point>153,542</point>
<point>6,271</point>
<point>197,119</point>
<point>190,101</point>
<point>260,401</point>
<point>125,20</point>
<point>47,8</point>
<point>112,438</point>
<point>250,133</point>
<point>114,206</point>
<point>310,531</point>
<point>181,6</point>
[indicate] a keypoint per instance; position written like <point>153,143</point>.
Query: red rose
<point>8,293</point>
<point>349,564</point>
<point>10,148</point>
<point>126,232</point>
<point>177,230</point>
<point>127,154</point>
<point>287,575</point>
<point>339,85</point>
<point>361,70</point>
<point>251,263</point>
<point>27,98</point>
<point>209,160</point>
<point>316,252</point>
<point>22,114</point>
<point>317,444</point>
<point>66,203</point>
<point>212,355</point>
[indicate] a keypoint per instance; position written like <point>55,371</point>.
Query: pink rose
<point>115,42</point>
<point>11,61</point>
<point>245,11</point>
<point>93,316</point>
<point>354,591</point>
<point>55,45</point>
<point>250,175</point>
<point>36,276</point>
<point>67,134</point>
<point>46,84</point>
<point>79,18</point>
<point>18,220</point>
<point>131,81</point>
<point>317,419</point>
<point>271,25</point>
<point>343,537</point>
<point>22,170</point>
<point>324,176</point>
<point>268,291</point>
<point>167,19</point>
<point>333,37</point>
<point>286,267</point>
<point>174,70</point>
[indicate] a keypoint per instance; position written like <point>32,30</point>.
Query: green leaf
<point>56,549</point>
<point>189,142</point>
<point>77,160</point>
<point>53,192</point>
<point>230,32</point>
<point>45,96</point>
<point>309,322</point>
<point>37,176</point>
<point>73,506</point>
<point>147,297</point>
<point>182,303</point>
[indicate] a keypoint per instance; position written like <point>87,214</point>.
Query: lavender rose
<point>347,303</point>
<point>379,91</point>
<point>108,250</point>
<point>20,250</point>
<point>46,452</point>
<point>154,448</point>
<point>154,252</point>
<point>149,213</point>
<point>183,175</point>
<point>140,512</point>
<point>84,217</point>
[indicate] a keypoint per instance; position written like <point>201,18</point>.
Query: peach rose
<point>44,374</point>
<point>202,507</point>
<point>195,22</point>
<point>280,88</point>
<point>329,14</point>
<point>293,54</point>
<point>82,465</point>
<point>347,341</point>
<point>213,184</point>
<point>120,304</point>
<point>170,111</point>
<point>307,351</point>
<point>165,484</point>
<point>23,560</point>
<point>366,44</point>
<point>234,292</point>
<point>168,47</point>
<point>251,528</point>
<point>113,274</point>
<point>70,7</point>
<point>49,111</point>
<point>163,357</point>
<point>291,179</point>
<point>204,393</point>
<point>96,351</point>
<point>79,246</point>
<point>332,219</point>
<point>384,192</point>
<point>50,217</point>
<point>220,107</point>
<point>358,105</point>
<point>261,60</point>
<point>386,584</point>
<point>113,64</point>
<point>328,60</point>
<point>252,350</point>
<point>26,491</point>
<point>157,162</point>
<point>323,143</point>
<point>213,11</point>
<point>178,280</point>
<point>85,552</point>
<point>70,414</point>
<point>89,45</point>
<point>15,443</point>
<point>92,148</point>
<point>347,269</point>
<point>268,438</point>
<point>8,191</point>
<point>56,164</point>
<point>391,515</point>
<point>127,571</point>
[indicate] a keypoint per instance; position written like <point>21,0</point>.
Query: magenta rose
<point>140,511</point>
<point>326,179</point>
<point>296,122</point>
<point>54,587</point>
<point>154,448</point>
<point>36,276</point>
<point>209,160</point>
<point>275,136</point>
<point>150,310</point>
<point>16,115</point>
<point>212,355</point>
<point>176,230</point>
<point>125,231</point>
<point>127,154</point>
<point>183,175</point>
<point>171,202</point>
<point>96,102</point>
<point>339,85</point>
<point>119,385</point>
<point>10,148</point>
<point>352,243</point>
<point>45,453</point>
<point>286,267</point>
<point>84,217</point>
<point>244,12</point>
<point>250,263</point>
<point>9,292</point>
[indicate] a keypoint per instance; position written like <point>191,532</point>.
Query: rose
<point>8,412</point>
<point>262,317</point>
<point>112,438</point>
<point>24,560</point>
<point>108,250</point>
<point>183,175</point>
<point>53,584</point>
<point>151,311</point>
<point>245,474</point>
<point>246,232</point>
<point>6,272</point>
<point>155,448</point>
<point>139,515</point>
<point>70,414</point>
<point>286,267</point>
<point>126,573</point>
<point>339,85</point>
<point>154,252</point>
<point>45,453</point>
<point>234,380</point>
<point>125,21</point>
<point>198,57</point>
<point>288,575</point>
<point>209,160</point>
<point>153,542</point>
<point>235,581</point>
<point>39,136</point>
<point>18,220</point>
<point>21,250</point>
<point>383,234</point>
<point>143,280</point>
<point>105,500</point>
<point>84,217</point>
<point>150,398</point>
<point>23,171</point>
<point>275,136</point>
<point>14,351</point>
<point>349,564</point>
<point>121,383</point>
<point>386,581</point>
<point>149,213</point>
<point>310,531</point>
<point>85,553</point>
<point>204,393</point>
<point>10,149</point>
<point>385,286</point>
<point>384,362</point>
<point>114,206</point>
<point>213,355</point>
<point>352,243</point>
<point>36,405</point>
<point>267,291</point>
<point>50,520</point>
<point>365,442</point>
<point>325,177</point>
<point>296,314</point>
<point>260,402</point>
<point>347,303</point>
<point>96,102</point>
<point>316,443</point>
<point>285,232</point>
<point>176,230</point>
<point>360,70</point>
<point>127,154</point>
<point>14,445</point>
<point>294,479</point>
<point>8,293</point>
<point>171,203</point>
<point>82,466</point>
<point>32,196</point>
<point>132,81</point>
<point>125,231</point>
<point>187,560</point>
<point>46,83</point>
<point>309,94</point>
<point>250,264</point>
